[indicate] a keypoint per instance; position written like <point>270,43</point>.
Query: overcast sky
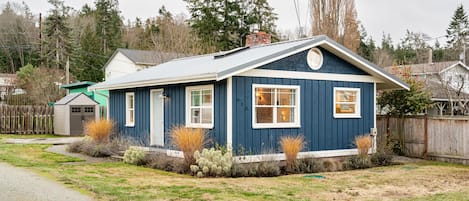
<point>431,17</point>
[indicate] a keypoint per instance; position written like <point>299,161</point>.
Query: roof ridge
<point>251,47</point>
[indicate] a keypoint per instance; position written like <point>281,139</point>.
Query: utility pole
<point>67,71</point>
<point>40,36</point>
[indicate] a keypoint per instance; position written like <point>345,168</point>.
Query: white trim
<point>281,156</point>
<point>454,65</point>
<point>319,43</point>
<point>357,113</point>
<point>321,57</point>
<point>152,116</point>
<point>188,106</point>
<point>265,157</point>
<point>240,71</point>
<point>375,131</point>
<point>178,80</point>
<point>297,121</point>
<point>127,117</point>
<point>310,76</point>
<point>229,113</point>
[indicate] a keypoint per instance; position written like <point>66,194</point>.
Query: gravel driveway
<point>17,184</point>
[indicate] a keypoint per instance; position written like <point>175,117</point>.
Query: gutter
<point>197,78</point>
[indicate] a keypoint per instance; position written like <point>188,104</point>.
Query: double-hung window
<point>129,109</point>
<point>199,106</point>
<point>276,106</point>
<point>347,102</point>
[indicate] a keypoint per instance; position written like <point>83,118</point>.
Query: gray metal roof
<point>67,99</point>
<point>70,97</point>
<point>148,57</point>
<point>206,67</point>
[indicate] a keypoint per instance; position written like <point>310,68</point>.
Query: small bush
<point>99,130</point>
<point>363,143</point>
<point>211,162</point>
<point>291,146</point>
<point>75,147</point>
<point>134,156</point>
<point>239,170</point>
<point>96,149</point>
<point>308,165</point>
<point>381,159</point>
<point>164,162</point>
<point>358,162</point>
<point>262,169</point>
<point>188,140</point>
<point>268,169</point>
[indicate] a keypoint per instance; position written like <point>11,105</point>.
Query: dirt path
<point>19,184</point>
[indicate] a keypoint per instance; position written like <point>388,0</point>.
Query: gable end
<point>298,62</point>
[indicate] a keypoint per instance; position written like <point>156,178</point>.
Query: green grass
<point>119,181</point>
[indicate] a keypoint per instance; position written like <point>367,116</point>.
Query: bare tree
<point>18,36</point>
<point>176,37</point>
<point>337,19</point>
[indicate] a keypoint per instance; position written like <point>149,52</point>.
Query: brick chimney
<point>258,38</point>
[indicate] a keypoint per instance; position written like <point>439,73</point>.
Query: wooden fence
<point>441,138</point>
<point>26,119</point>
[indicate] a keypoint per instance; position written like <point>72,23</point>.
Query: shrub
<point>164,162</point>
<point>94,149</point>
<point>268,169</point>
<point>363,143</point>
<point>291,146</point>
<point>239,170</point>
<point>75,147</point>
<point>381,159</point>
<point>211,162</point>
<point>358,162</point>
<point>308,165</point>
<point>99,130</point>
<point>134,156</point>
<point>188,140</point>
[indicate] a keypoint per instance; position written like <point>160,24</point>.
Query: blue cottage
<point>250,97</point>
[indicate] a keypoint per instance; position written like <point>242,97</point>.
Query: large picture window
<point>129,109</point>
<point>199,106</point>
<point>346,102</point>
<point>276,106</point>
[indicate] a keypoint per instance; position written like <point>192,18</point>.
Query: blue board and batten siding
<point>321,130</point>
<point>174,111</point>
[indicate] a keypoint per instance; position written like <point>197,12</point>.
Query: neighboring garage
<point>72,112</point>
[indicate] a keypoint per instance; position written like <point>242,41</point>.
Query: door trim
<point>152,118</point>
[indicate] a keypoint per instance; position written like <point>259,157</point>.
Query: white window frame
<point>127,109</point>
<point>295,124</point>
<point>189,106</point>
<point>357,113</point>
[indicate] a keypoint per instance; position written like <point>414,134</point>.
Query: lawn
<point>118,181</point>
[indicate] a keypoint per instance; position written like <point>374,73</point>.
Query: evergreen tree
<point>457,33</point>
<point>108,25</point>
<point>226,23</point>
<point>57,34</point>
<point>367,46</point>
<point>438,52</point>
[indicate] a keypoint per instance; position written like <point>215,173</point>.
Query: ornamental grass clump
<point>363,143</point>
<point>188,140</point>
<point>291,146</point>
<point>99,131</point>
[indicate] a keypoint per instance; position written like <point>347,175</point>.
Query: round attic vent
<point>314,58</point>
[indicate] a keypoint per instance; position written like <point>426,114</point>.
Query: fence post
<point>425,136</point>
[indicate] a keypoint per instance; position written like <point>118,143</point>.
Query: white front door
<point>157,117</point>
